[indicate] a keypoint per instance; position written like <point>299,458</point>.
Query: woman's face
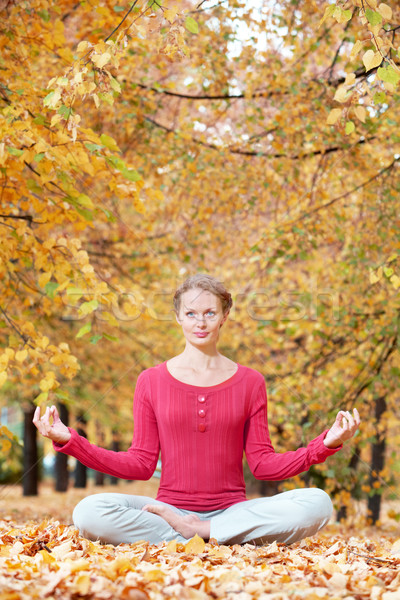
<point>200,316</point>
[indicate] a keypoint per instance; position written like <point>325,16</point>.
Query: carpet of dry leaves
<point>43,556</point>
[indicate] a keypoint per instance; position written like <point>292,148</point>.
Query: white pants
<point>286,518</point>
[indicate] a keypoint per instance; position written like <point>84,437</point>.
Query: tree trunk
<point>353,464</point>
<point>61,464</point>
<point>99,477</point>
<point>377,463</point>
<point>115,448</point>
<point>80,469</point>
<point>31,470</point>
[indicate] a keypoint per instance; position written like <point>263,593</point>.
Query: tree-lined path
<point>255,141</point>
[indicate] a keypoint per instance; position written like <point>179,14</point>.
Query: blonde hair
<point>207,283</point>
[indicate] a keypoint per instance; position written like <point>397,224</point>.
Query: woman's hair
<point>207,283</point>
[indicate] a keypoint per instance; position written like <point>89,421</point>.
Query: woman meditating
<point>201,410</point>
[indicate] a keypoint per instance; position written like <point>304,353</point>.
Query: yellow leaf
<point>45,557</point>
<point>374,277</point>
<point>5,446</point>
<point>170,14</point>
<point>55,119</point>
<point>101,59</point>
<point>53,101</point>
<point>341,94</point>
<point>155,575</point>
<point>385,11</point>
<point>21,355</point>
<point>195,546</point>
<point>396,547</point>
<point>360,113</point>
<point>171,546</point>
<point>81,584</point>
<point>356,48</point>
<point>395,280</point>
<point>371,59</point>
<point>83,47</point>
<point>44,278</point>
<point>350,79</point>
<point>107,316</point>
<point>333,116</point>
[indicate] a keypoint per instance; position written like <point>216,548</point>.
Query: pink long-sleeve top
<point>201,433</point>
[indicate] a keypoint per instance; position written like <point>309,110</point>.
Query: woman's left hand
<point>343,428</point>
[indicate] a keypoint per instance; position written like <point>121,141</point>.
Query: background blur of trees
<point>256,141</point>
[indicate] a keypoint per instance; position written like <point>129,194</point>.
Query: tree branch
<point>119,25</point>
<point>25,338</point>
<point>346,194</point>
<point>322,151</point>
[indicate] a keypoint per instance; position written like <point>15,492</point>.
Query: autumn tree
<point>257,143</point>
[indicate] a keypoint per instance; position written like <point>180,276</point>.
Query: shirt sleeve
<point>264,462</point>
<point>140,460</point>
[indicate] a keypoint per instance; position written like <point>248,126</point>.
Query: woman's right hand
<point>55,431</point>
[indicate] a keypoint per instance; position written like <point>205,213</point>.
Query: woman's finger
<point>350,419</point>
<point>36,415</point>
<point>54,414</point>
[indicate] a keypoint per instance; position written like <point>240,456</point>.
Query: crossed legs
<point>285,518</point>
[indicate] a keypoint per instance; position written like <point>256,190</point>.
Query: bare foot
<point>187,525</point>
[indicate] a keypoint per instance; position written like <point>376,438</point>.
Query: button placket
<point>201,413</point>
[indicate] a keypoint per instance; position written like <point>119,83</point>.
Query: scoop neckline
<point>226,382</point>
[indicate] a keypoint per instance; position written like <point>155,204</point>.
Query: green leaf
<point>116,162</point>
<point>191,25</point>
<point>118,8</point>
<point>15,151</point>
<point>47,99</point>
<point>73,291</point>
<point>81,210</point>
<point>112,338</point>
<point>119,164</point>
<point>350,127</point>
<point>379,98</point>
<point>109,142</point>
<point>93,147</point>
<point>95,338</point>
<point>88,307</point>
<point>347,14</point>
<point>85,201</point>
<point>38,157</point>
<point>65,111</point>
<point>44,15</point>
<point>374,18</point>
<point>32,185</point>
<point>41,398</point>
<point>50,288</point>
<point>329,10</point>
<point>389,75</point>
<point>131,174</point>
<point>115,85</point>
<point>388,271</point>
<point>39,120</point>
<point>84,330</point>
<point>85,213</point>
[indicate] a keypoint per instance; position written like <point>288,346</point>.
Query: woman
<point>201,410</point>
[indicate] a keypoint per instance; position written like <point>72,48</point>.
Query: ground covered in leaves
<point>46,558</point>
